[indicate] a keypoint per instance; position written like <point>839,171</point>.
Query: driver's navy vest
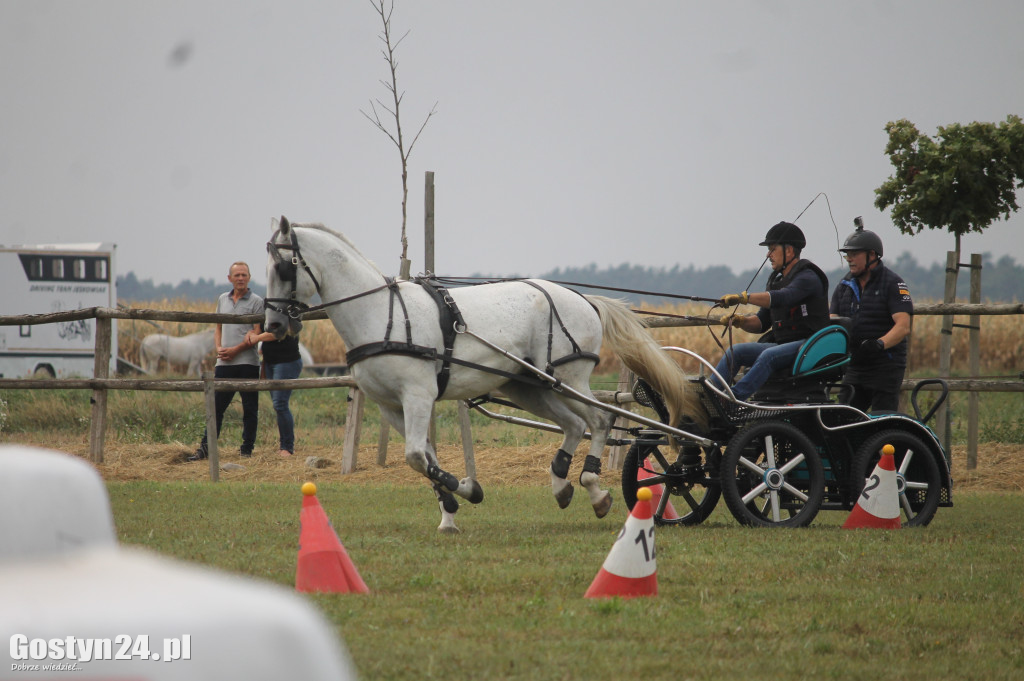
<point>803,319</point>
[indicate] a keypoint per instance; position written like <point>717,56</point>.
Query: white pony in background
<point>188,350</point>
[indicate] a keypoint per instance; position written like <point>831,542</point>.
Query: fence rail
<point>100,384</point>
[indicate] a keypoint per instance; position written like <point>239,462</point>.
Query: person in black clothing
<point>878,302</point>
<point>281,360</point>
<point>793,307</point>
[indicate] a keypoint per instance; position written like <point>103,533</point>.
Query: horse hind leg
<point>590,477</point>
<point>542,403</point>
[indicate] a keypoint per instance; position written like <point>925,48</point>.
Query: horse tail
<point>628,338</point>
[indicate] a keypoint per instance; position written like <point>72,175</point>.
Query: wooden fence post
<point>382,442</point>
<point>942,420</point>
<point>210,400</point>
<point>353,428</point>
<point>101,369</point>
<point>974,365</point>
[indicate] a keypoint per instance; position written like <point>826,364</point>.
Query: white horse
<point>407,347</point>
<point>188,350</point>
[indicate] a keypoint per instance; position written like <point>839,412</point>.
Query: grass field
<point>503,600</point>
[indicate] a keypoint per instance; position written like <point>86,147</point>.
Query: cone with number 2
<point>630,570</point>
<point>879,504</point>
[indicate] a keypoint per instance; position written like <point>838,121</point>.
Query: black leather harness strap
<point>576,353</point>
<point>451,321</point>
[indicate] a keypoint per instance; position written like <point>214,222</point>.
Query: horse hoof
<point>602,507</point>
<point>448,529</point>
<point>564,496</point>
<point>476,492</point>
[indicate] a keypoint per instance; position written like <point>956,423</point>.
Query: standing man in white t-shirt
<point>236,357</point>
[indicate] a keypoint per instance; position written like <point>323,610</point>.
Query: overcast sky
<point>566,133</point>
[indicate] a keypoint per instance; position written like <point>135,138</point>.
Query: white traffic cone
<point>630,569</point>
<point>879,504</point>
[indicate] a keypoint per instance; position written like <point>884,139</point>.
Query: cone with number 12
<point>878,506</point>
<point>630,570</point>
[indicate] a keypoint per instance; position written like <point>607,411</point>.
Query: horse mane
<point>338,235</point>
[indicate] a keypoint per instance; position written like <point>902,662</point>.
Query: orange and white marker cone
<point>630,570</point>
<point>323,565</point>
<point>879,504</point>
<point>656,493</point>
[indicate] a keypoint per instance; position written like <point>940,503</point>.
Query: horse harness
<point>449,318</point>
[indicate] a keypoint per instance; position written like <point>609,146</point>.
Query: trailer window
<point>78,268</point>
<point>101,269</point>
<point>25,331</point>
<point>35,268</point>
<point>57,268</point>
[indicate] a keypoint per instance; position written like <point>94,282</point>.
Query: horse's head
<point>289,286</point>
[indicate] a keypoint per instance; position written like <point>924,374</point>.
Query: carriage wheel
<point>693,493</point>
<point>918,479</point>
<point>772,476</point>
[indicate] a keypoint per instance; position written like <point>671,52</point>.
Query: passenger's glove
<point>870,349</point>
<point>734,299</point>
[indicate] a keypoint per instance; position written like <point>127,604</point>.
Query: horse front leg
<point>421,457</point>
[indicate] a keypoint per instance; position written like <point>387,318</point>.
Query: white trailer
<point>55,278</point>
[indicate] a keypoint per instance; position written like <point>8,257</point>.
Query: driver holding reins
<point>793,306</point>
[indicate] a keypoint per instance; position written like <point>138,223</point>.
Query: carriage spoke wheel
<point>693,492</point>
<point>918,480</point>
<point>772,476</point>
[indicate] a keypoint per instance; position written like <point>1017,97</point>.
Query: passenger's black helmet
<point>785,233</point>
<point>862,240</point>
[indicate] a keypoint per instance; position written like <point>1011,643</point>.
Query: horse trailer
<point>55,278</point>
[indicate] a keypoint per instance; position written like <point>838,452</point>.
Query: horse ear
<point>284,224</point>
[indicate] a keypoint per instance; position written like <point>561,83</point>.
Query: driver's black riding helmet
<point>785,233</point>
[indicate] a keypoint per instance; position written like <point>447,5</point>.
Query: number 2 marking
<point>871,484</point>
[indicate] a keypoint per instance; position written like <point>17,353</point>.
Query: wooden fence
<point>101,382</point>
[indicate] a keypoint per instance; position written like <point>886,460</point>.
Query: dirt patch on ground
<point>1000,466</point>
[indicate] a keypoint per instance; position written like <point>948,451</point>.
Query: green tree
<point>961,180</point>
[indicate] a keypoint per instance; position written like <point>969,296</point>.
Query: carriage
<point>779,458</point>
<point>789,451</point>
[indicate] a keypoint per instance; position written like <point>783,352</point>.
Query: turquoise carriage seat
<point>824,352</point>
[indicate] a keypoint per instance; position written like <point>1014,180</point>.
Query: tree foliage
<point>962,180</point>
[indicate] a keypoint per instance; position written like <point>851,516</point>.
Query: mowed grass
<point>504,599</point>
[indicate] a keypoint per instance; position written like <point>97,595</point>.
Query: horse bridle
<point>288,270</point>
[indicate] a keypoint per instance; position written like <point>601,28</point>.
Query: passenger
<point>236,357</point>
<point>878,302</point>
<point>793,307</point>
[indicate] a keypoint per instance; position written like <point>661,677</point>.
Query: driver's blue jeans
<point>764,359</point>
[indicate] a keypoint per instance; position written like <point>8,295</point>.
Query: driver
<point>793,307</point>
